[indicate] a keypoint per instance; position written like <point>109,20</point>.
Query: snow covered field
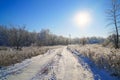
<point>56,64</point>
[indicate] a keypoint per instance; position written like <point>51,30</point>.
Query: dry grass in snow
<point>9,56</point>
<point>104,58</point>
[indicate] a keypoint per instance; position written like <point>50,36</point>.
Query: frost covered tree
<point>19,37</point>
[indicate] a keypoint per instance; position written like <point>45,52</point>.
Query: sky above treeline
<point>79,18</point>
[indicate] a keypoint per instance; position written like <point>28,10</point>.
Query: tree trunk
<point>117,38</point>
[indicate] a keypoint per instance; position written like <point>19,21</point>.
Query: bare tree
<point>114,18</point>
<point>16,37</point>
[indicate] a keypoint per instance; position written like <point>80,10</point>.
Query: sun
<point>82,19</point>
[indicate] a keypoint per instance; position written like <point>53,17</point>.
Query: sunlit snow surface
<point>56,64</point>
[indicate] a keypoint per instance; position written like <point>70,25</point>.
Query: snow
<point>56,64</point>
<point>71,69</point>
<point>99,74</point>
<point>13,69</point>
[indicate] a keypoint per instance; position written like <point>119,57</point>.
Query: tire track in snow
<point>47,72</point>
<point>37,63</point>
<point>57,64</point>
<point>73,69</point>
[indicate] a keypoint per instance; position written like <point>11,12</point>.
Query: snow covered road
<point>56,64</point>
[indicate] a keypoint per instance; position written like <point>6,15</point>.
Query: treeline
<point>88,40</point>
<point>18,37</point>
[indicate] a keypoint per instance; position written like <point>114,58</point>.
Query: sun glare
<point>82,19</point>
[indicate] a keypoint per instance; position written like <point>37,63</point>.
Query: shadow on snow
<point>98,74</point>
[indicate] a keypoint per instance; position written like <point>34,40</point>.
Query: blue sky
<point>55,15</point>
